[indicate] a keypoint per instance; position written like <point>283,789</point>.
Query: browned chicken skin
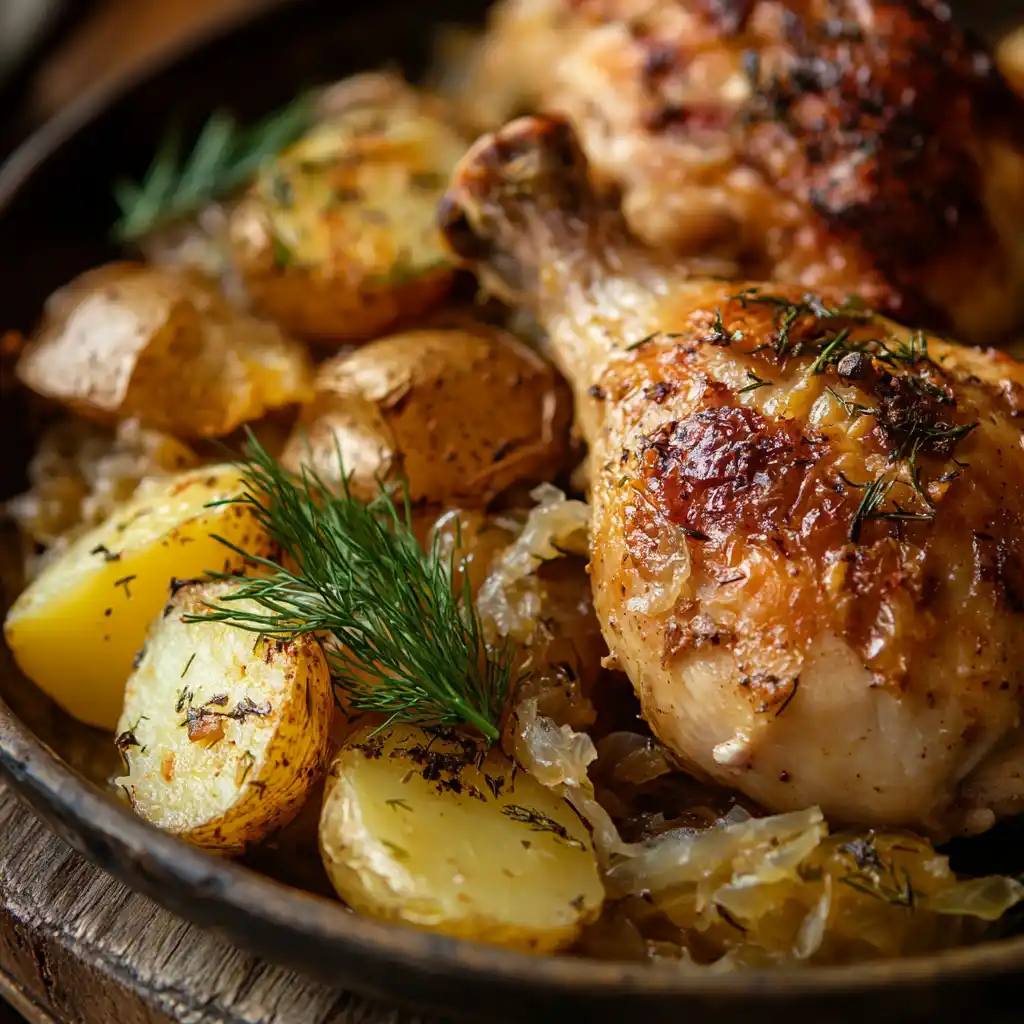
<point>865,145</point>
<point>808,522</point>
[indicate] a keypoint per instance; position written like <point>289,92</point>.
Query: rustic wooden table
<point>77,947</point>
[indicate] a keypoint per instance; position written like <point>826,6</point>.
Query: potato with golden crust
<point>424,827</point>
<point>76,628</point>
<point>127,341</point>
<point>463,414</point>
<point>224,733</point>
<point>336,241</point>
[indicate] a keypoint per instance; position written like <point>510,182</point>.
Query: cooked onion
<point>80,471</point>
<point>509,601</point>
<point>748,890</point>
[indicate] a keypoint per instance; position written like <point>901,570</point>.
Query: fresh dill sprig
<point>875,493</point>
<point>402,639</point>
<point>224,157</point>
<point>853,409</point>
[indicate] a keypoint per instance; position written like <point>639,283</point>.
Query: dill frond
<point>399,637</point>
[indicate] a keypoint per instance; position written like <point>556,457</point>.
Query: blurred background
<point>51,51</point>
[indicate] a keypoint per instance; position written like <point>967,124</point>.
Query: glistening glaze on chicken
<point>808,533</point>
<point>861,144</point>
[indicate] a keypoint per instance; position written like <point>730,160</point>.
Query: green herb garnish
<point>755,383</point>
<point>878,878</point>
<point>225,157</point>
<point>408,643</point>
<point>539,822</point>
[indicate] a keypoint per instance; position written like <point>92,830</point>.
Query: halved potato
<point>337,239</point>
<point>224,732</point>
<point>462,414</point>
<point>422,826</point>
<point>76,628</point>
<point>128,341</point>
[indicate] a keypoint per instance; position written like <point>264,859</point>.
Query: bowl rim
<point>59,793</point>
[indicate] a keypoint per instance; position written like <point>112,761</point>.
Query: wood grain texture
<point>80,948</point>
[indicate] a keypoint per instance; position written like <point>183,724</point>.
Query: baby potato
<point>76,628</point>
<point>337,239</point>
<point>463,414</point>
<point>128,341</point>
<point>224,733</point>
<point>422,826</point>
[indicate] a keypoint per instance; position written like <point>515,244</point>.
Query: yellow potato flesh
<point>223,733</point>
<point>78,626</point>
<point>414,829</point>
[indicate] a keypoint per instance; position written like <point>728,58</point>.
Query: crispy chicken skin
<point>808,522</point>
<point>866,145</point>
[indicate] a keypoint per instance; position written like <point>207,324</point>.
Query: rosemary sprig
<point>224,157</point>
<point>406,643</point>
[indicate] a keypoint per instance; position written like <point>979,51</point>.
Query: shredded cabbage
<point>752,891</point>
<point>509,600</point>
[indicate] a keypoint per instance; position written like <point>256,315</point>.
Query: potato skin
<point>336,241</point>
<point>75,630</point>
<point>224,734</point>
<point>114,341</point>
<point>463,414</point>
<point>420,826</point>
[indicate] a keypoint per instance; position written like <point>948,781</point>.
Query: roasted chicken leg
<point>863,144</point>
<point>808,522</point>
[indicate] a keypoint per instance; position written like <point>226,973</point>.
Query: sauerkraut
<point>509,601</point>
<point>737,889</point>
<point>80,471</point>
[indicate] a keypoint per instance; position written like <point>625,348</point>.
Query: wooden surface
<point>77,947</point>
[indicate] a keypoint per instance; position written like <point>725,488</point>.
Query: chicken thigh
<point>808,521</point>
<point>862,144</point>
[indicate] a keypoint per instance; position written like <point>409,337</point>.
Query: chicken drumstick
<point>808,522</point>
<point>869,145</point>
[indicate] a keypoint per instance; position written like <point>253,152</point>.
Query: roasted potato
<point>77,627</point>
<point>127,341</point>
<point>462,414</point>
<point>421,826</point>
<point>224,733</point>
<point>337,240</point>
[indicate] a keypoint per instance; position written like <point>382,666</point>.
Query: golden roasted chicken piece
<point>1010,58</point>
<point>867,145</point>
<point>808,522</point>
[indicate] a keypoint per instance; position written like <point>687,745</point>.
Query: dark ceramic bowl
<point>55,213</point>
